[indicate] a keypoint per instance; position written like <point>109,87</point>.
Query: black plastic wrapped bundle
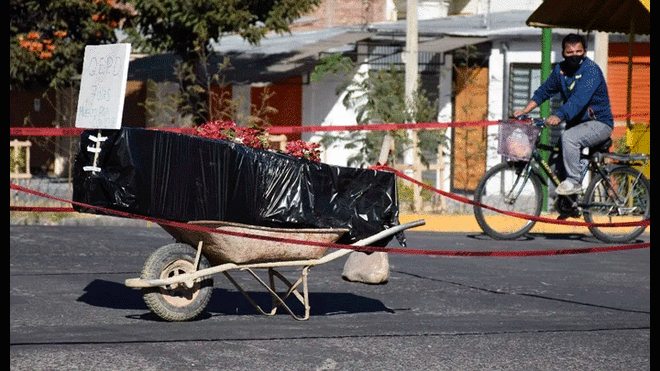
<point>186,178</point>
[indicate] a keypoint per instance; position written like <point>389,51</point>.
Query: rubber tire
<point>479,212</point>
<point>589,195</point>
<point>181,257</point>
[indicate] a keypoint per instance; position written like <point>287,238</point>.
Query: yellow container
<point>639,140</point>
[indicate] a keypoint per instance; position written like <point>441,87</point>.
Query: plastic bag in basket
<point>517,140</point>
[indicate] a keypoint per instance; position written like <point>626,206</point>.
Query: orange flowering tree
<point>47,39</point>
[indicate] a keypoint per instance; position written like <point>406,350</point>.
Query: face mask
<point>572,63</point>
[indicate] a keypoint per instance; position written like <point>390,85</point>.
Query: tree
<point>47,39</point>
<point>378,96</point>
<point>188,27</point>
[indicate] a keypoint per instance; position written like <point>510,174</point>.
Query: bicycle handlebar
<point>537,122</point>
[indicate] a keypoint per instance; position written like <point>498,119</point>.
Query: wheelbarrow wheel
<point>176,302</point>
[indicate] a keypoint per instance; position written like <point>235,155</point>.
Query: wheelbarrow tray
<point>220,248</point>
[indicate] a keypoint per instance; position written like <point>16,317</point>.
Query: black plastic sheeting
<point>186,178</point>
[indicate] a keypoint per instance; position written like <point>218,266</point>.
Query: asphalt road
<point>69,310</point>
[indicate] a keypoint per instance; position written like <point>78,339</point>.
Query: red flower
<point>255,138</point>
<point>299,148</point>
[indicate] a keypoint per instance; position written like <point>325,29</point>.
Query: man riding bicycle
<point>586,107</point>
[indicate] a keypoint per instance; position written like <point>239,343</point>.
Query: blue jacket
<point>584,94</point>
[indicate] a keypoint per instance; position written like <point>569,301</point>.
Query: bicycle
<point>617,192</point>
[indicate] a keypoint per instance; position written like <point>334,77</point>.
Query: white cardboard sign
<point>103,86</point>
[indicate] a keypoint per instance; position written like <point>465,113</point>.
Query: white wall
<point>338,115</point>
<point>496,67</point>
<point>445,100</point>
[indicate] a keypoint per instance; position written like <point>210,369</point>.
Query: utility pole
<point>411,49</point>
<point>411,76</point>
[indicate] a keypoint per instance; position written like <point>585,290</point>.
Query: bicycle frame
<point>536,156</point>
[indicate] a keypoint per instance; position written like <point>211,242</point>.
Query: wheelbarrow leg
<point>278,301</point>
<point>245,294</point>
<point>292,289</point>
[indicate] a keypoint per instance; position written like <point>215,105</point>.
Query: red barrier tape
<point>509,213</point>
<point>377,127</point>
<point>274,130</point>
<point>405,251</point>
<point>42,209</point>
<point>45,131</point>
<point>394,126</point>
<point>35,131</point>
<point>73,132</point>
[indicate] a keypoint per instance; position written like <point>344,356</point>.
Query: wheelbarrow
<point>176,279</point>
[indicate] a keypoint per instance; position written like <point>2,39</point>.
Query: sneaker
<point>567,187</point>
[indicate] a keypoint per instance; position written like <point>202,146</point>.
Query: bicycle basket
<point>517,140</point>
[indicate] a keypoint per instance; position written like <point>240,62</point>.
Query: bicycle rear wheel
<point>503,187</point>
<point>628,200</point>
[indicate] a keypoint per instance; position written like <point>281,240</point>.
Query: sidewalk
<point>468,224</point>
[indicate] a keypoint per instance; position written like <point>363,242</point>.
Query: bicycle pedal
<point>568,207</point>
<point>564,216</point>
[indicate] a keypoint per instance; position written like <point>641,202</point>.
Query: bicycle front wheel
<point>505,187</point>
<point>624,197</point>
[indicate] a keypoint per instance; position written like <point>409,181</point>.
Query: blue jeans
<point>586,134</point>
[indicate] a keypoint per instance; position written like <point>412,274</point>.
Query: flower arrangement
<point>256,137</point>
<point>228,130</point>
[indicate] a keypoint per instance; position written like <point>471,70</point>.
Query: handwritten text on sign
<point>103,86</point>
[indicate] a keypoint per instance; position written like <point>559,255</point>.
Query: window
<point>524,79</point>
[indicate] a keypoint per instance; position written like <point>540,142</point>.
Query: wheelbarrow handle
<point>366,241</point>
<point>389,232</point>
